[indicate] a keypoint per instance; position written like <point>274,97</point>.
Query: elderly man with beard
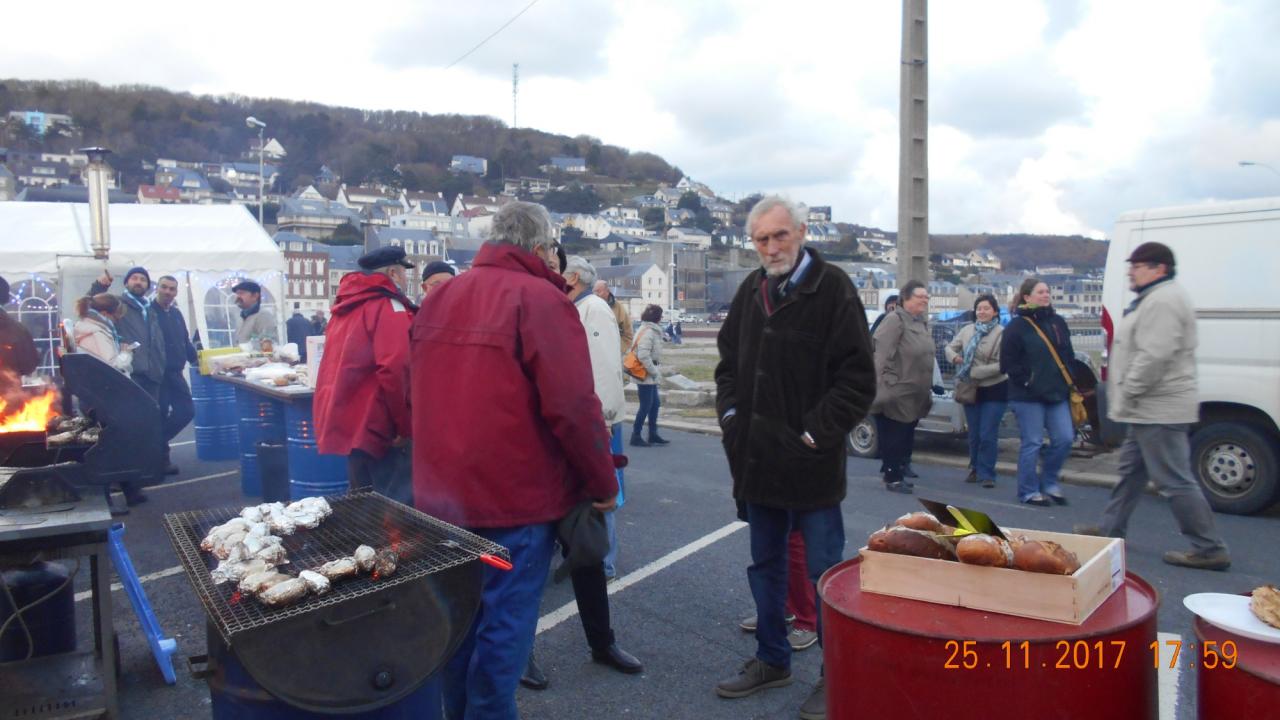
<point>796,374</point>
<point>362,388</point>
<point>509,437</point>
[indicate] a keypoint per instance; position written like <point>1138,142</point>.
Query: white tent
<point>46,255</point>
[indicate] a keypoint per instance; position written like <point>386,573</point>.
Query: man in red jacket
<point>509,436</point>
<point>362,390</point>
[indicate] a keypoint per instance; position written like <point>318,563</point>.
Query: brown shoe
<point>815,706</point>
<point>755,675</point>
<point>1199,561</point>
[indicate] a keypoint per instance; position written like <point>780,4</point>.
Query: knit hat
<point>435,267</point>
<point>138,271</point>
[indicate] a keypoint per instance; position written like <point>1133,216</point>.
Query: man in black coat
<point>176,406</point>
<point>297,329</point>
<point>796,374</point>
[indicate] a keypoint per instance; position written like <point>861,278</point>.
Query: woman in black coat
<point>1038,393</point>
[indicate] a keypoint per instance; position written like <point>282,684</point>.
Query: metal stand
<point>78,684</point>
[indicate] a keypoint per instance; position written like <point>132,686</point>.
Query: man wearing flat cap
<point>1152,388</point>
<point>435,274</point>
<point>256,325</point>
<point>362,390</point>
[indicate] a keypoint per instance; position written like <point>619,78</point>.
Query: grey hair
<point>797,211</point>
<point>523,224</point>
<point>585,270</point>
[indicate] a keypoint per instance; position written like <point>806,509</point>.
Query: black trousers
<point>153,389</point>
<point>896,442</point>
<point>390,475</point>
<point>590,590</point>
<point>176,406</point>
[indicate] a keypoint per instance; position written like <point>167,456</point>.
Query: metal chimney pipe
<point>96,175</point>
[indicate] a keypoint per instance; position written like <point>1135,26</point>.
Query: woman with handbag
<point>647,347</point>
<point>1032,352</point>
<point>980,386</point>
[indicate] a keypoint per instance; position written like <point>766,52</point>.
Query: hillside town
<point>680,246</point>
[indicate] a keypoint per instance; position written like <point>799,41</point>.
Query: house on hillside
<point>245,175</point>
<point>420,247</point>
<point>491,203</point>
<point>191,185</point>
<point>272,151</point>
<point>621,212</point>
<point>983,259</point>
<point>648,202</point>
<point>316,219</point>
<point>575,165</point>
<point>822,232</point>
<point>41,122</point>
<point>531,185</point>
<point>688,184</point>
<point>469,164</point>
<point>617,243</point>
<point>327,176</point>
<point>158,195</point>
<point>668,195</point>
<point>820,214</point>
<point>593,227</point>
<point>342,260</point>
<point>943,296</point>
<point>721,212</point>
<point>678,216</point>
<point>733,237</point>
<point>360,197</point>
<point>637,285</point>
<point>627,226</point>
<point>955,260</point>
<point>694,237</point>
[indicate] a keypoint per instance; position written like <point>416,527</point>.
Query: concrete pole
<point>913,153</point>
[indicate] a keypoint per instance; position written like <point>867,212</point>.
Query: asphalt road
<point>677,614</point>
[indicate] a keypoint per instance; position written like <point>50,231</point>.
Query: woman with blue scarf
<point>975,351</point>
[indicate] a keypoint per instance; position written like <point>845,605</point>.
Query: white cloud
<point>1048,115</point>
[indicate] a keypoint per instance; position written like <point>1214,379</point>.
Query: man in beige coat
<point>1153,389</point>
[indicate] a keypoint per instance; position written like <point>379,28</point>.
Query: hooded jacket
<point>507,427</point>
<point>362,386</point>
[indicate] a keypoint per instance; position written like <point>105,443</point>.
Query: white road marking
<point>115,586</point>
<point>184,442</point>
<point>202,478</point>
<point>1167,677</point>
<point>568,610</point>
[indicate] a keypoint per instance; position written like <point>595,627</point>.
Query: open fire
<point>28,412</point>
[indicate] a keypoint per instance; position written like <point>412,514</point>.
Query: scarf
<point>110,325</point>
<point>244,314</point>
<point>980,330</point>
<point>139,302</point>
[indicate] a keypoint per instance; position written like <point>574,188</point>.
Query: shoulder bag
<point>631,364</point>
<point>1079,415</point>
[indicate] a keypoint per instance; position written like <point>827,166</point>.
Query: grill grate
<point>425,545</point>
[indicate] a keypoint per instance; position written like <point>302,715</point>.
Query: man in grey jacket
<point>1153,389</point>
<point>255,325</point>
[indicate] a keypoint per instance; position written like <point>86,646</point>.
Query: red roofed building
<point>157,194</point>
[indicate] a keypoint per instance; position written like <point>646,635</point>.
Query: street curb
<point>1070,477</point>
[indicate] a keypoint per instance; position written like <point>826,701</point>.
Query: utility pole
<point>515,94</point>
<point>913,146</point>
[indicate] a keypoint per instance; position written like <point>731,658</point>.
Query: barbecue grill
<point>369,642</point>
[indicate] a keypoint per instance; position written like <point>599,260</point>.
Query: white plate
<point>1231,613</point>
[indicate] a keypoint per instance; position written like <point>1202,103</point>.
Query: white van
<point>1228,260</point>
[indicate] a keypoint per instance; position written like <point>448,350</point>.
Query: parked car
<point>1227,257</point>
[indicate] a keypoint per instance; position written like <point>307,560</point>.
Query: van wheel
<point>863,441</point>
<point>1236,464</point>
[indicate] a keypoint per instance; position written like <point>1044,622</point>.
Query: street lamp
<point>253,122</point>
<point>1250,163</point>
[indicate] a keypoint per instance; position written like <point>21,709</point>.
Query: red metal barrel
<point>891,657</point>
<point>1249,689</point>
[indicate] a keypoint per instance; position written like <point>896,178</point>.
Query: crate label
<point>1117,566</point>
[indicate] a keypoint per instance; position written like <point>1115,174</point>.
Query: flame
<point>235,598</point>
<point>33,414</point>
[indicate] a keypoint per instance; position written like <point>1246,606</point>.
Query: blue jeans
<point>1034,419</point>
<point>616,445</point>
<point>984,435</point>
<point>823,532</point>
<point>649,404</point>
<point>480,680</point>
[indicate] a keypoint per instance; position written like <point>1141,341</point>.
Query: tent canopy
<point>40,238</point>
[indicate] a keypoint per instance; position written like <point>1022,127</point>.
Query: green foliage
<point>347,234</point>
<point>690,201</point>
<point>575,243</point>
<point>572,199</point>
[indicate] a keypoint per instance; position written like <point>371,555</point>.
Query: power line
<point>491,35</point>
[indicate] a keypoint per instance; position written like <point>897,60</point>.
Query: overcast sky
<point>1047,116</point>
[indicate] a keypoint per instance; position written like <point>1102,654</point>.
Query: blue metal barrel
<point>217,425</point>
<point>261,420</point>
<point>310,473</point>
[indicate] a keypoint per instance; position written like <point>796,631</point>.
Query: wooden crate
<point>1059,598</point>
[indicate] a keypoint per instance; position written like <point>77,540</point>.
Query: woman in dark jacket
<point>1038,394</point>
